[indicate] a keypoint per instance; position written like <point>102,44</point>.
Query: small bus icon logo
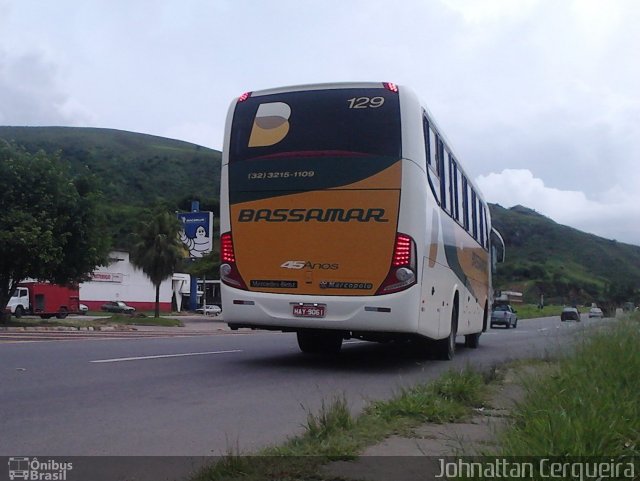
<point>18,468</point>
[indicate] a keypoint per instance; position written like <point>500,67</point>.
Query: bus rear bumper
<point>398,312</point>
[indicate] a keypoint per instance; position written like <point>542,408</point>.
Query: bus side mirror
<point>498,250</point>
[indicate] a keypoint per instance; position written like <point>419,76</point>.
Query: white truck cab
<point>19,302</point>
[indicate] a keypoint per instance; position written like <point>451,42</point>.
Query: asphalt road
<point>209,394</point>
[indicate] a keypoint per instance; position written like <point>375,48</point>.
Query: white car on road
<point>209,310</point>
<point>595,312</point>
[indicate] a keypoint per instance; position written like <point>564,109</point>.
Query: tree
<point>207,266</point>
<point>619,291</point>
<point>157,249</point>
<point>51,224</point>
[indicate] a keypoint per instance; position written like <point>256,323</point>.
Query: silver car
<point>570,314</point>
<point>117,307</point>
<point>595,312</point>
<point>209,310</point>
<point>504,315</point>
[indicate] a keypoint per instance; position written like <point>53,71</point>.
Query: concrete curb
<point>190,326</point>
<point>66,328</point>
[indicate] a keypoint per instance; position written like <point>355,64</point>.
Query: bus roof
<point>346,85</point>
<point>319,86</point>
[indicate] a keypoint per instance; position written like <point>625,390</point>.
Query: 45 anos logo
<point>308,265</point>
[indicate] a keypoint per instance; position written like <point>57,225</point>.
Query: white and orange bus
<point>345,214</point>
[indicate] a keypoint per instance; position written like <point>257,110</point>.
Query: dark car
<point>570,314</point>
<point>504,315</point>
<point>118,307</point>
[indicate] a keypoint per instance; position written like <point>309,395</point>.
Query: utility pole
<point>193,297</point>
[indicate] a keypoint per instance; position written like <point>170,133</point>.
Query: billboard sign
<point>197,232</point>
<point>106,277</point>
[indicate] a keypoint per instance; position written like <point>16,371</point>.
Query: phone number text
<point>280,175</point>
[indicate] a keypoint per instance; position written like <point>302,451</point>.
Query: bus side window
<point>459,196</point>
<point>474,214</point>
<point>470,209</point>
<point>455,205</point>
<point>486,228</point>
<point>439,155</point>
<point>430,151</point>
<point>433,150</point>
<point>445,182</point>
<point>425,132</point>
<point>481,226</point>
<point>465,203</point>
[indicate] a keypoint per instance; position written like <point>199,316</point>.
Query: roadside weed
<point>588,406</point>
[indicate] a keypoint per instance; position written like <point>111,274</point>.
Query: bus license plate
<point>308,311</point>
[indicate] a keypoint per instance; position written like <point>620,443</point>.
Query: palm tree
<point>157,249</point>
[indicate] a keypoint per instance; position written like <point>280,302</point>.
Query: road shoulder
<point>418,455</point>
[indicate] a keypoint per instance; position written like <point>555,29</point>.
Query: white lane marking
<point>164,356</point>
<point>510,333</point>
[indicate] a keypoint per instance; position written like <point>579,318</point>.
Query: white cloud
<point>489,11</point>
<point>199,133</point>
<point>31,95</point>
<point>613,216</point>
<point>534,85</point>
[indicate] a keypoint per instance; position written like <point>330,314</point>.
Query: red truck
<point>45,300</point>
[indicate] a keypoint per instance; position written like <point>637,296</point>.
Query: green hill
<point>138,170</point>
<point>562,262</point>
<point>134,170</point>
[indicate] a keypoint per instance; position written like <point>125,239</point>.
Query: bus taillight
<point>402,251</point>
<point>391,87</point>
<point>226,248</point>
<point>244,96</point>
<point>402,273</point>
<point>228,270</point>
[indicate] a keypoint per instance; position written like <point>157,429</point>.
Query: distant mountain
<point>136,170</point>
<point>559,261</point>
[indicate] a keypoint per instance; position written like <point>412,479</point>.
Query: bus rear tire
<point>472,340</point>
<point>319,342</point>
<point>446,348</point>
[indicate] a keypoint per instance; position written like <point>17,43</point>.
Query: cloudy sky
<point>540,98</point>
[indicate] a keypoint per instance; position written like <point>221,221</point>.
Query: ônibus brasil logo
<point>36,470</point>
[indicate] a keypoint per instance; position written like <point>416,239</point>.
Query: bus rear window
<point>336,122</point>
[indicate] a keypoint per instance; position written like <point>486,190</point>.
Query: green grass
<point>334,434</point>
<point>531,311</point>
<point>28,322</point>
<point>115,319</point>
<point>445,400</point>
<point>589,406</point>
<point>330,420</point>
<point>141,319</point>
